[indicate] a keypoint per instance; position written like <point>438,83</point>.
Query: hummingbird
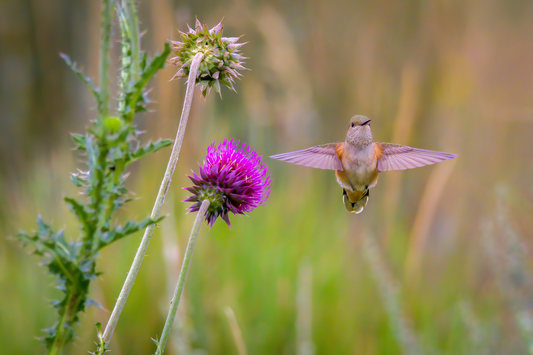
<point>358,161</point>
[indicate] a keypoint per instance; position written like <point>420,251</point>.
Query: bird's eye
<point>352,124</point>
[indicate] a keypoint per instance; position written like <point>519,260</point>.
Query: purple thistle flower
<point>233,178</point>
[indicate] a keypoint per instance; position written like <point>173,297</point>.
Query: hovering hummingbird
<point>358,161</point>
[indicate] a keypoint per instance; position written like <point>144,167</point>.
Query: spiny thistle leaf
<point>82,76</point>
<point>144,60</point>
<point>121,136</point>
<point>80,140</point>
<point>90,303</point>
<point>130,227</point>
<point>60,257</point>
<point>150,147</point>
<point>80,211</point>
<point>79,179</point>
<point>136,98</point>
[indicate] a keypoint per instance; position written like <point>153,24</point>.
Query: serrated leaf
<point>121,136</point>
<point>59,257</point>
<point>80,211</point>
<point>150,147</point>
<point>94,303</point>
<point>157,63</point>
<point>78,180</point>
<point>120,202</point>
<point>80,140</point>
<point>92,153</point>
<point>44,229</point>
<point>129,228</point>
<point>82,76</point>
<point>144,60</point>
<point>86,267</point>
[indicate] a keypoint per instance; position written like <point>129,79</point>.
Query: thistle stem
<point>59,340</point>
<point>66,322</point>
<point>133,19</point>
<point>105,40</point>
<point>182,278</point>
<point>165,184</point>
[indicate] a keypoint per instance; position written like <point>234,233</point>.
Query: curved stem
<point>163,189</point>
<point>182,278</point>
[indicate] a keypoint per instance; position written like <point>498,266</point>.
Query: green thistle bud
<point>113,124</point>
<point>221,62</point>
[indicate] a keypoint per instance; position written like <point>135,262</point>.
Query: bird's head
<point>359,132</point>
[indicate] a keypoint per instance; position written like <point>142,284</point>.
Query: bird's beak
<point>366,122</point>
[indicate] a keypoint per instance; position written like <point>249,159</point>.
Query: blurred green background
<point>438,263</point>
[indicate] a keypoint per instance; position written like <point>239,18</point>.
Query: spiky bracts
<point>233,178</point>
<point>221,62</point>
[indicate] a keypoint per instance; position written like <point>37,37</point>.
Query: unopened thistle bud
<point>221,57</point>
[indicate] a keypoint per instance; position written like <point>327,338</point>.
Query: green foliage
<point>109,145</point>
<point>80,140</point>
<point>101,343</point>
<point>130,227</point>
<point>72,273</point>
<point>82,76</point>
<point>149,148</point>
<point>136,97</point>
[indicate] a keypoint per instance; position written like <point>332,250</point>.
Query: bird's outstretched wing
<point>325,156</point>
<point>401,157</point>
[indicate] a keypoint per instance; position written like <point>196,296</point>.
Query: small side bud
<point>113,124</point>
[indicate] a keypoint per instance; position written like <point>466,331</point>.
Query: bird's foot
<point>355,207</point>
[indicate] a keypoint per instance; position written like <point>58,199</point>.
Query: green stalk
<point>163,189</point>
<point>74,296</point>
<point>60,338</point>
<point>133,19</point>
<point>105,40</point>
<point>182,278</point>
<point>103,110</point>
<point>67,320</point>
<point>92,240</point>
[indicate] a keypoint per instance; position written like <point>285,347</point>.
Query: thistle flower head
<point>233,178</point>
<point>221,62</point>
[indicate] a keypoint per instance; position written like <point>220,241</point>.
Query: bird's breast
<point>360,168</point>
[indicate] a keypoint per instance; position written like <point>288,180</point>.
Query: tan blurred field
<point>438,263</point>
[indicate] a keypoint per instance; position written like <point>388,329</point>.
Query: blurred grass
<point>453,76</point>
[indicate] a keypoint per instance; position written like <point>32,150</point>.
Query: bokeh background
<point>438,263</point>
